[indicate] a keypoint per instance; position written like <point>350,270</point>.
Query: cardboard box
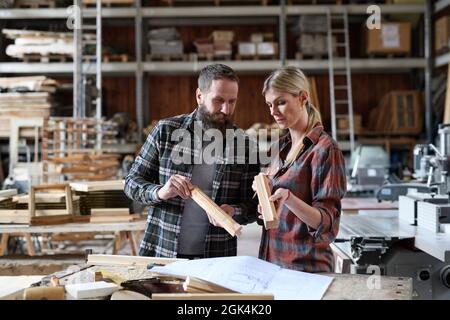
<point>442,33</point>
<point>222,36</point>
<point>393,37</point>
<point>267,48</point>
<point>247,48</point>
<point>204,46</point>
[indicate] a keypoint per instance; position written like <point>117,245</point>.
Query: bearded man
<point>176,225</point>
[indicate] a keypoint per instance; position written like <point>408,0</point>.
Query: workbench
<point>353,205</point>
<point>343,287</point>
<point>128,228</point>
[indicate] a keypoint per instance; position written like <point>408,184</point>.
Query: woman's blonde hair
<point>292,80</point>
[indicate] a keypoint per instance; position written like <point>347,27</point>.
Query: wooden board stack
<point>224,220</point>
<point>41,46</point>
<point>101,195</point>
<point>25,97</point>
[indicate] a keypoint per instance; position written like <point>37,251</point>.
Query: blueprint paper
<point>246,274</point>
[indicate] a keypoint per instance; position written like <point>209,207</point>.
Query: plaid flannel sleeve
<point>329,186</point>
<point>142,182</point>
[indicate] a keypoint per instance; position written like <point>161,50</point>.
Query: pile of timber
<point>41,46</point>
<point>92,167</point>
<point>25,97</point>
<point>101,195</point>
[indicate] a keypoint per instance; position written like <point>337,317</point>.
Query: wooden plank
<point>100,212</point>
<point>8,193</point>
<point>212,296</point>
<point>106,219</point>
<point>269,212</point>
<point>26,212</point>
<point>91,289</point>
<point>30,246</point>
<point>90,186</point>
<point>121,260</point>
<point>222,218</point>
<point>198,285</point>
<point>4,244</point>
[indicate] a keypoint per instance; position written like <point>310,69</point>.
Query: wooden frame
<point>269,211</point>
<point>224,220</point>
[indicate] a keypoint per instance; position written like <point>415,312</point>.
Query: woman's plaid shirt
<point>318,178</point>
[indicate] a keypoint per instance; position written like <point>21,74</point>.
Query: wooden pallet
<point>167,57</point>
<point>35,4</point>
<point>29,58</point>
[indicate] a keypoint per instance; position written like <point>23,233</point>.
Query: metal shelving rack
<point>229,15</point>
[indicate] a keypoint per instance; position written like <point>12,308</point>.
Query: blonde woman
<point>307,177</point>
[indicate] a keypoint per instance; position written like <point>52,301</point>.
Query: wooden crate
<point>399,112</point>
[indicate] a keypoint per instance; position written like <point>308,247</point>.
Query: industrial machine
<point>413,241</point>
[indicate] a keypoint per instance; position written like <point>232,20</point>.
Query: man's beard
<point>209,120</point>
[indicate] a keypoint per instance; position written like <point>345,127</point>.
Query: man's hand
<point>225,207</point>
<point>176,186</point>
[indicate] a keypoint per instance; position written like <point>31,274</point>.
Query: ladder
<point>83,37</point>
<point>339,68</point>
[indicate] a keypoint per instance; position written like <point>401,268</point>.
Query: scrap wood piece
<point>269,211</point>
<point>91,289</point>
<point>193,284</point>
<point>89,186</point>
<point>121,260</point>
<point>101,212</point>
<point>224,220</point>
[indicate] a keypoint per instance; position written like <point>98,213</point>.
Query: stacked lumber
<point>399,112</point>
<point>165,44</point>
<point>219,45</point>
<point>41,46</point>
<point>101,195</point>
<point>260,46</point>
<point>87,166</point>
<point>25,97</point>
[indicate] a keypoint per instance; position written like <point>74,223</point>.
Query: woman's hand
<point>279,198</point>
<point>254,182</point>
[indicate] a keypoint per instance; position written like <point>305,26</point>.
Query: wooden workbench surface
<point>343,287</point>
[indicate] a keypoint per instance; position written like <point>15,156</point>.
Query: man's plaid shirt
<point>153,167</point>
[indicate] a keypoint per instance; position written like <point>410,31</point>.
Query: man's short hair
<point>215,72</point>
